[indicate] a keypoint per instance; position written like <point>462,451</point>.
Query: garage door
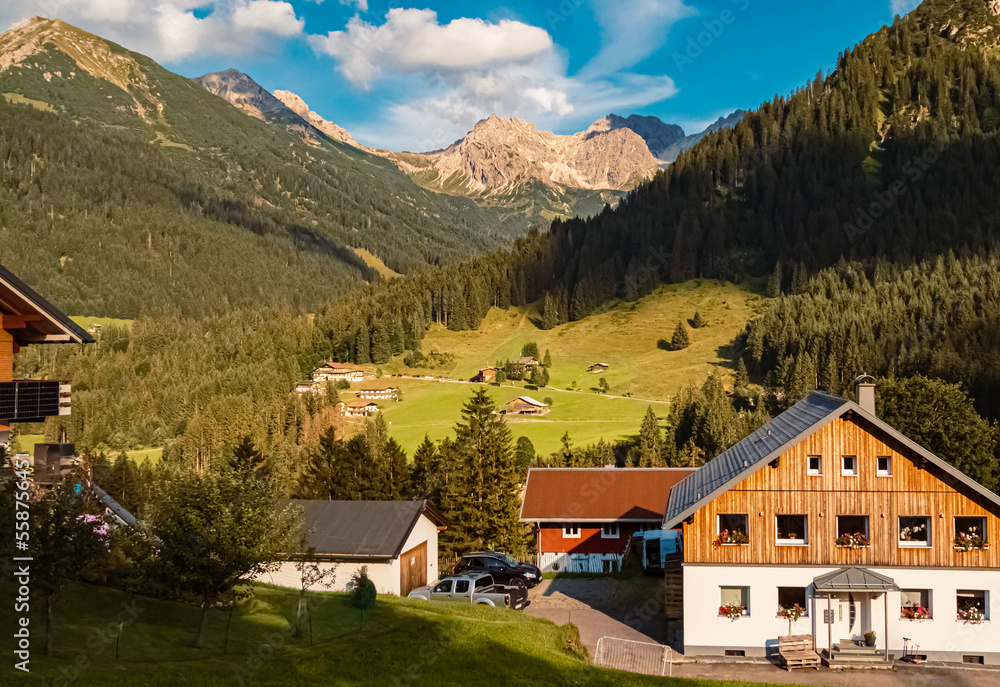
<point>413,569</point>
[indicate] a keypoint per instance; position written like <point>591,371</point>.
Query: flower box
<point>856,540</point>
<point>732,611</point>
<point>732,538</point>
<point>914,613</point>
<point>969,542</point>
<point>971,614</point>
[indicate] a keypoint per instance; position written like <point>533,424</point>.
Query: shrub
<point>362,589</point>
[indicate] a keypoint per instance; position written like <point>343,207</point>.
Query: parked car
<point>476,589</point>
<point>503,567</point>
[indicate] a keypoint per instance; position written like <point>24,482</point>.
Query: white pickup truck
<point>477,588</point>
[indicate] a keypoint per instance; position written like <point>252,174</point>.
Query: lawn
<point>624,337</point>
<point>433,407</point>
<point>640,374</point>
<point>402,643</point>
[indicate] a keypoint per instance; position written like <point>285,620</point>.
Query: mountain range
<point>503,161</point>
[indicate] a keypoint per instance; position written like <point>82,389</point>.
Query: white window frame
<point>610,531</point>
<point>805,596</point>
<point>746,604</point>
<point>986,602</point>
<point>718,525</point>
<point>915,544</point>
<point>853,472</point>
<point>879,472</point>
<point>930,600</point>
<point>792,542</point>
<point>570,531</point>
<point>809,469</point>
<point>982,525</point>
<point>868,524</point>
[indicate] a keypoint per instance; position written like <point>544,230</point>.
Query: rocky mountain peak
<point>297,105</point>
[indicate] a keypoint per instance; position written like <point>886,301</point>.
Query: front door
<point>852,616</point>
<point>413,569</point>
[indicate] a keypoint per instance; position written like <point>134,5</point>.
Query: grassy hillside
<point>402,642</point>
<point>641,374</point>
<point>128,189</point>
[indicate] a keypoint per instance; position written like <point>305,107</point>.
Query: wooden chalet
<point>360,408</point>
<point>598,367</point>
<point>486,375</point>
<point>830,508</point>
<point>377,393</point>
<point>528,361</point>
<point>336,372</point>
<point>25,319</point>
<point>308,387</point>
<point>525,405</point>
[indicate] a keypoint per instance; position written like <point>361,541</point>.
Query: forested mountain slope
<point>126,189</point>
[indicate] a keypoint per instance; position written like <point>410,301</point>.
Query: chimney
<point>866,393</point>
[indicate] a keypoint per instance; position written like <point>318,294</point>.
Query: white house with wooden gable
<point>832,509</point>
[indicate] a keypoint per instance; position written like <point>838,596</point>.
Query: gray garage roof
<point>854,579</point>
<point>362,529</point>
<point>778,436</point>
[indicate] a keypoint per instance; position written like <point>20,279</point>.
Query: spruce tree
<point>550,316</point>
<point>424,478</point>
<point>740,377</point>
<point>680,339</point>
<point>485,503</point>
<point>547,360</point>
<point>650,444</point>
<point>696,321</point>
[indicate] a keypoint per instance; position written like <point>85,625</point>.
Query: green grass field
<point>432,408</point>
<point>402,643</point>
<point>86,321</point>
<point>625,338</point>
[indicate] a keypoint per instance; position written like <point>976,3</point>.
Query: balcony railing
<point>32,400</point>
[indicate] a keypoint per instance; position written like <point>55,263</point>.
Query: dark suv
<point>504,568</point>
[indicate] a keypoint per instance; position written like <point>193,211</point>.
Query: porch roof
<point>854,579</point>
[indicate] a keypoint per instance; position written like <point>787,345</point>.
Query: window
<point>788,597</point>
<point>970,533</point>
<point>735,595</point>
<point>494,564</point>
<point>482,582</point>
<point>972,605</point>
<point>914,531</point>
<point>792,530</point>
<point>461,586</point>
<point>571,531</point>
<point>915,604</point>
<point>852,531</point>
<point>476,563</point>
<point>884,466</point>
<point>815,466</point>
<point>849,466</point>
<point>609,532</point>
<point>442,587</point>
<point>733,528</point>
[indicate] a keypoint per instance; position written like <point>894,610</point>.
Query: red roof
<point>598,494</point>
<point>4,428</point>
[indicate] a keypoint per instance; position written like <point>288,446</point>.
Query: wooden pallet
<point>796,652</point>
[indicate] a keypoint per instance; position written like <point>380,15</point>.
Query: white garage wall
<point>384,575</point>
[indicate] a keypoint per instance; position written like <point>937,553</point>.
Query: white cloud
<point>631,31</point>
<point>902,7</point>
<point>266,15</point>
<point>362,5</point>
<point>412,40</point>
<point>169,30</point>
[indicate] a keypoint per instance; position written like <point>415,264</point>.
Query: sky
<point>412,75</point>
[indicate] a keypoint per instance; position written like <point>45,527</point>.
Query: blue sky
<point>417,76</point>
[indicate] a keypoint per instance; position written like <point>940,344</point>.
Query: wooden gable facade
<point>915,488</point>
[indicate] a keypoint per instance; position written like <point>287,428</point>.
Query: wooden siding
<point>6,354</point>
<point>788,489</point>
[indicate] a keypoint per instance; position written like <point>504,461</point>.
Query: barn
<point>525,405</point>
<point>397,540</point>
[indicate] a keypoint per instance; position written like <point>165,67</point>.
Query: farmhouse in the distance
<point>378,393</point>
<point>360,408</point>
<point>486,375</point>
<point>598,367</point>
<point>525,405</point>
<point>828,507</point>
<point>528,361</point>
<point>397,540</point>
<point>336,372</point>
<point>584,517</point>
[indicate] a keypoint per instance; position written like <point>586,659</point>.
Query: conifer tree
<point>680,339</point>
<point>696,321</point>
<point>547,360</point>
<point>650,443</point>
<point>550,315</point>
<point>740,377</point>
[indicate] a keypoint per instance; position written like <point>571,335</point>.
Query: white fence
<point>579,562</point>
<point>635,657</point>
